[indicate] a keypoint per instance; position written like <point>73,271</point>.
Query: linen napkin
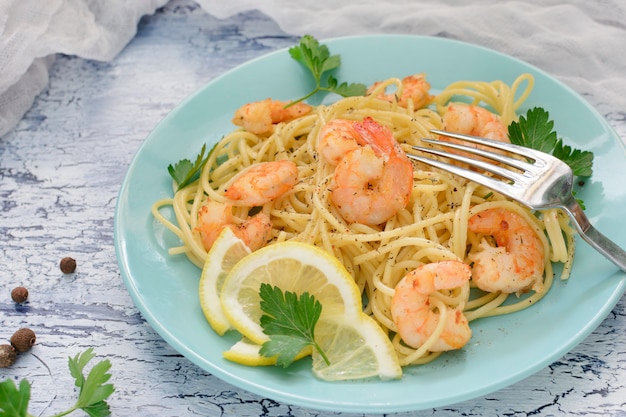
<point>580,42</point>
<point>32,32</point>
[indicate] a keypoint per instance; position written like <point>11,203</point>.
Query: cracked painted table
<point>60,172</point>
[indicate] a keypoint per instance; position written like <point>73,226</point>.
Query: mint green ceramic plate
<point>502,351</point>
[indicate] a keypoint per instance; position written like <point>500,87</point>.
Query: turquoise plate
<point>502,351</point>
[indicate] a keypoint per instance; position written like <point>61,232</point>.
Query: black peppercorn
<point>19,294</point>
<point>68,265</point>
<point>23,339</point>
<point>7,356</point>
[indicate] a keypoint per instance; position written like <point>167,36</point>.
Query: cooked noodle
<point>432,227</point>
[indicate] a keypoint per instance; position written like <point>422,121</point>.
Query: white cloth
<point>32,32</point>
<point>580,42</point>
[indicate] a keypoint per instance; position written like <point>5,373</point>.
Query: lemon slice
<point>354,343</point>
<point>291,266</point>
<point>248,353</point>
<point>226,251</point>
<point>356,348</point>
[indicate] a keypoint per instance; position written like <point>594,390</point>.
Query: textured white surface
<point>60,171</point>
<point>578,41</point>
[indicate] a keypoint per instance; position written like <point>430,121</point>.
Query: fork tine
<point>515,163</point>
<point>492,183</point>
<point>508,147</point>
<point>485,166</point>
<point>517,179</point>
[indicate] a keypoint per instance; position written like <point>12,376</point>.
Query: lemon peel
<point>248,353</point>
<point>226,251</point>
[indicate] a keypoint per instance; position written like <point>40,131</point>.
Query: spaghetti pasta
<point>432,227</point>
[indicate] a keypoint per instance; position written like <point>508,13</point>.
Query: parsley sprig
<point>317,58</point>
<point>290,322</point>
<point>536,131</point>
<point>184,172</point>
<point>93,390</point>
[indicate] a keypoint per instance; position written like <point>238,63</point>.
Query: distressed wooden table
<point>60,171</point>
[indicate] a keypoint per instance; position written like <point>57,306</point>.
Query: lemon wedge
<point>248,353</point>
<point>354,343</point>
<point>226,251</point>
<point>356,348</point>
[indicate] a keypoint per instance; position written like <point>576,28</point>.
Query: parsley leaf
<point>290,322</point>
<point>14,402</point>
<point>536,131</point>
<point>581,162</point>
<point>93,390</point>
<point>185,172</point>
<point>317,59</point>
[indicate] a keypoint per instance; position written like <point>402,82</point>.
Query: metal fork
<point>543,182</point>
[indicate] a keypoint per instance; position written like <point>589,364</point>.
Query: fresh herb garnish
<point>93,390</point>
<point>317,58</point>
<point>290,322</point>
<point>184,172</point>
<point>536,131</point>
<point>314,56</point>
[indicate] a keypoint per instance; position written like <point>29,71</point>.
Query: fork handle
<point>591,235</point>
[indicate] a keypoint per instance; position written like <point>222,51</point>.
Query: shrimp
<point>263,182</point>
<point>411,311</point>
<point>214,216</point>
<point>474,120</point>
<point>336,139</point>
<point>414,87</point>
<point>260,117</point>
<point>372,181</point>
<point>254,186</point>
<point>517,263</point>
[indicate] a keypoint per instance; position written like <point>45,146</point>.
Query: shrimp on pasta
<point>412,307</point>
<point>474,120</point>
<point>516,263</point>
<point>413,88</point>
<point>374,180</point>
<point>336,139</point>
<point>263,182</point>
<point>213,217</point>
<point>260,117</point>
<point>254,186</point>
